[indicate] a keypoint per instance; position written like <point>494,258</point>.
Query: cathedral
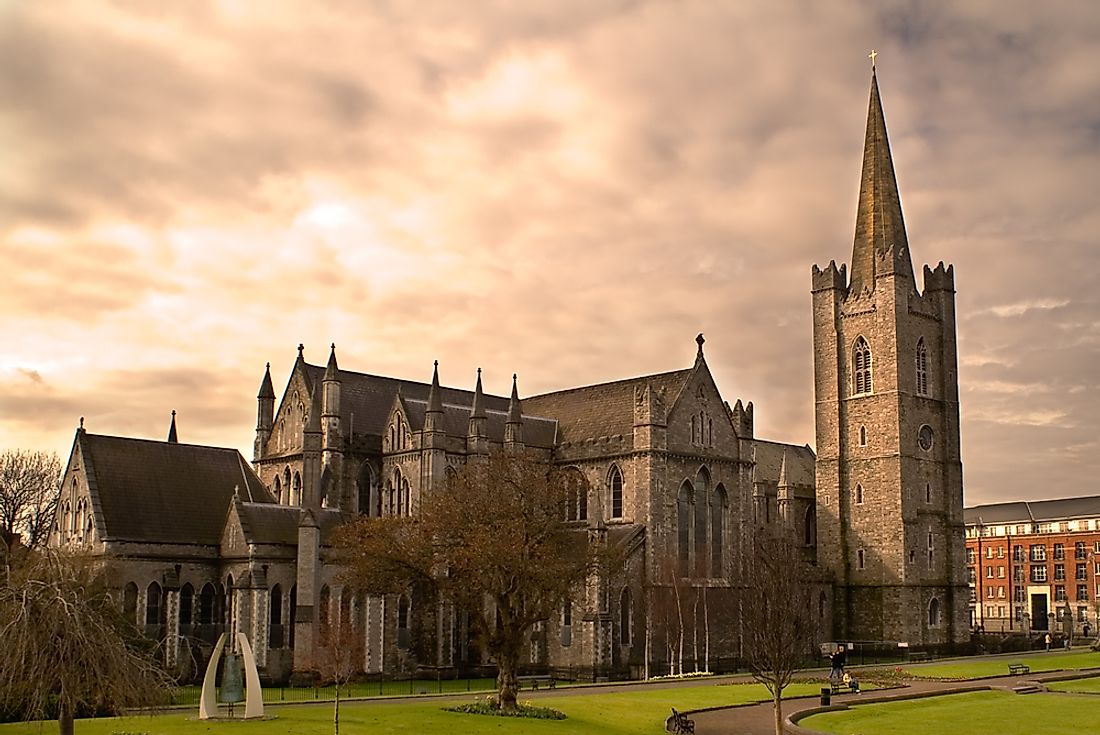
<point>202,541</point>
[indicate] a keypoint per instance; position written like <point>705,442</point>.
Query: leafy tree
<point>28,497</point>
<point>494,541</point>
<point>778,614</point>
<point>64,647</point>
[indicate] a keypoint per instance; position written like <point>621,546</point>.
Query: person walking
<point>1047,640</point>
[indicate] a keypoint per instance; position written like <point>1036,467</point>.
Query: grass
<point>191,694</point>
<point>1040,661</point>
<point>642,710</point>
<point>962,714</point>
<point>1081,686</point>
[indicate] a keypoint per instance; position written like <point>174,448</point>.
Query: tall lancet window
<point>922,368</point>
<point>861,364</point>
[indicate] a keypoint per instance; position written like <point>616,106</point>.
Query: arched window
<point>293,615</point>
<point>683,527</point>
<point>129,603</point>
<point>408,496</point>
<point>399,493</point>
<point>206,604</point>
<point>296,494</point>
<point>702,496</point>
<point>152,604</point>
<point>922,368</point>
<point>323,621</point>
<point>286,485</point>
<point>275,617</point>
<point>390,498</point>
<point>615,481</point>
<point>187,605</point>
<point>863,436</point>
<point>277,491</point>
<point>576,495</point>
<point>934,613</point>
<point>861,364</point>
<point>567,623</point>
<point>393,437</point>
<point>809,528</point>
<point>364,486</point>
<point>859,494</point>
<point>927,493</point>
<point>718,503</point>
<point>403,619</point>
<point>626,617</point>
<point>694,435</point>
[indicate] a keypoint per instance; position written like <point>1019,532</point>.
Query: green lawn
<point>1039,661</point>
<point>190,695</point>
<point>639,711</point>
<point>1084,686</point>
<point>963,714</point>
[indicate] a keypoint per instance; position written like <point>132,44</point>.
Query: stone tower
<point>889,475</point>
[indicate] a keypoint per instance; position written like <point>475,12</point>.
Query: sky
<point>567,190</point>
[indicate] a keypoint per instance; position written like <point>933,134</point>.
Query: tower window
<point>922,368</point>
<point>859,494</point>
<point>927,493</point>
<point>863,436</point>
<point>616,482</point>
<point>861,561</point>
<point>861,362</point>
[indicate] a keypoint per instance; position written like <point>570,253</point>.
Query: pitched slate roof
<point>267,523</point>
<point>162,492</point>
<point>606,409</point>
<point>537,431</point>
<point>1034,511</point>
<point>769,456</point>
<point>370,397</point>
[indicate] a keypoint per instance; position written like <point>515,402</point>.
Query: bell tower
<point>889,473</point>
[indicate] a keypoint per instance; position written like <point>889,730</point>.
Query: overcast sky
<point>567,190</point>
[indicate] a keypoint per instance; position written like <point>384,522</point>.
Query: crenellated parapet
<point>830,278</point>
<point>940,278</point>
<point>741,418</point>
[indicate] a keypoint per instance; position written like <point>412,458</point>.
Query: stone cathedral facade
<point>203,541</point>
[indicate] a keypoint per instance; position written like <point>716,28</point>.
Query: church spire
<point>173,438</point>
<point>881,246</point>
<point>435,399</point>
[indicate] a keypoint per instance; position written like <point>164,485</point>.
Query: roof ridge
<point>405,381</point>
<point>162,441</point>
<point>611,382</point>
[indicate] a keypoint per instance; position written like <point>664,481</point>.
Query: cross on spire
<point>872,56</point>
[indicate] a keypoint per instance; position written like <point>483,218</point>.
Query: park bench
<point>1017,669</point>
<point>535,680</point>
<point>679,723</point>
<point>920,656</point>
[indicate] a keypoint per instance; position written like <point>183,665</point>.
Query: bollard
<point>826,696</point>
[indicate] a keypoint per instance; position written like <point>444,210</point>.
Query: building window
<point>1018,553</point>
<point>1000,572</point>
<point>1081,571</point>
<point>989,572</point>
<point>576,496</point>
<point>861,361</point>
<point>972,576</point>
<point>989,552</point>
<point>1038,573</point>
<point>683,527</point>
<point>989,592</point>
<point>701,495</point>
<point>296,492</point>
<point>626,617</point>
<point>1018,574</point>
<point>1000,552</point>
<point>1079,550</point>
<point>1063,527</point>
<point>717,530</point>
<point>1059,572</point>
<point>927,493</point>
<point>152,604</point>
<point>1038,552</point>
<point>567,623</point>
<point>1082,612</point>
<point>969,555</point>
<point>922,368</point>
<point>403,620</point>
<point>863,436</point>
<point>934,613</point>
<point>1018,594</point>
<point>616,483</point>
<point>859,494</point>
<point>1082,592</point>
<point>1059,552</point>
<point>1001,592</point>
<point>1059,593</point>
<point>187,604</point>
<point>860,560</point>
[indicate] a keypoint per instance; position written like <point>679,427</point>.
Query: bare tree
<point>494,541</point>
<point>778,614</point>
<point>28,497</point>
<point>337,658</point>
<point>64,646</point>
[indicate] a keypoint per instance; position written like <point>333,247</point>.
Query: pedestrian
<point>1047,640</point>
<point>1086,630</point>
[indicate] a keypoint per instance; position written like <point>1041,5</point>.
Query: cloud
<point>1023,307</point>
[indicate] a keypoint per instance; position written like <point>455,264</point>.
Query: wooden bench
<point>535,680</point>
<point>1017,669</point>
<point>920,656</point>
<point>680,723</point>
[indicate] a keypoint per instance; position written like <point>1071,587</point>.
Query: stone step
<point>1027,689</point>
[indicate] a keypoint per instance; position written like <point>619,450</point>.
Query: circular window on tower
<point>924,437</point>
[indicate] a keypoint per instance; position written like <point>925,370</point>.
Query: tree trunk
<point>506,683</point>
<point>777,704</point>
<point>336,711</point>
<point>65,720</point>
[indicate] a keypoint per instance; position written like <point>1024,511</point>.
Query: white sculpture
<point>254,701</point>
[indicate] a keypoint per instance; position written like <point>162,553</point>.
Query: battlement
<point>830,278</point>
<point>940,279</point>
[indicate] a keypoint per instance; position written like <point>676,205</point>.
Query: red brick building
<point>1034,566</point>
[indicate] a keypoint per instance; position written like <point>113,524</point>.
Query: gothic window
<point>408,496</point>
<point>206,604</point>
<point>397,505</point>
<point>187,604</point>
<point>323,604</point>
<point>393,437</point>
<point>701,495</point>
<point>390,499</point>
<point>364,485</point>
<point>717,530</point>
<point>275,618</point>
<point>576,496</point>
<point>65,517</point>
<point>129,603</point>
<point>859,494</point>
<point>694,435</point>
<point>683,527</point>
<point>403,635</point>
<point>567,623</point>
<point>710,433</point>
<point>296,493</point>
<point>927,493</point>
<point>861,560</point>
<point>922,368</point>
<point>809,528</point>
<point>863,436</point>
<point>934,613</point>
<point>153,604</point>
<point>277,490</point>
<point>861,363</point>
<point>626,617</point>
<point>616,483</point>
